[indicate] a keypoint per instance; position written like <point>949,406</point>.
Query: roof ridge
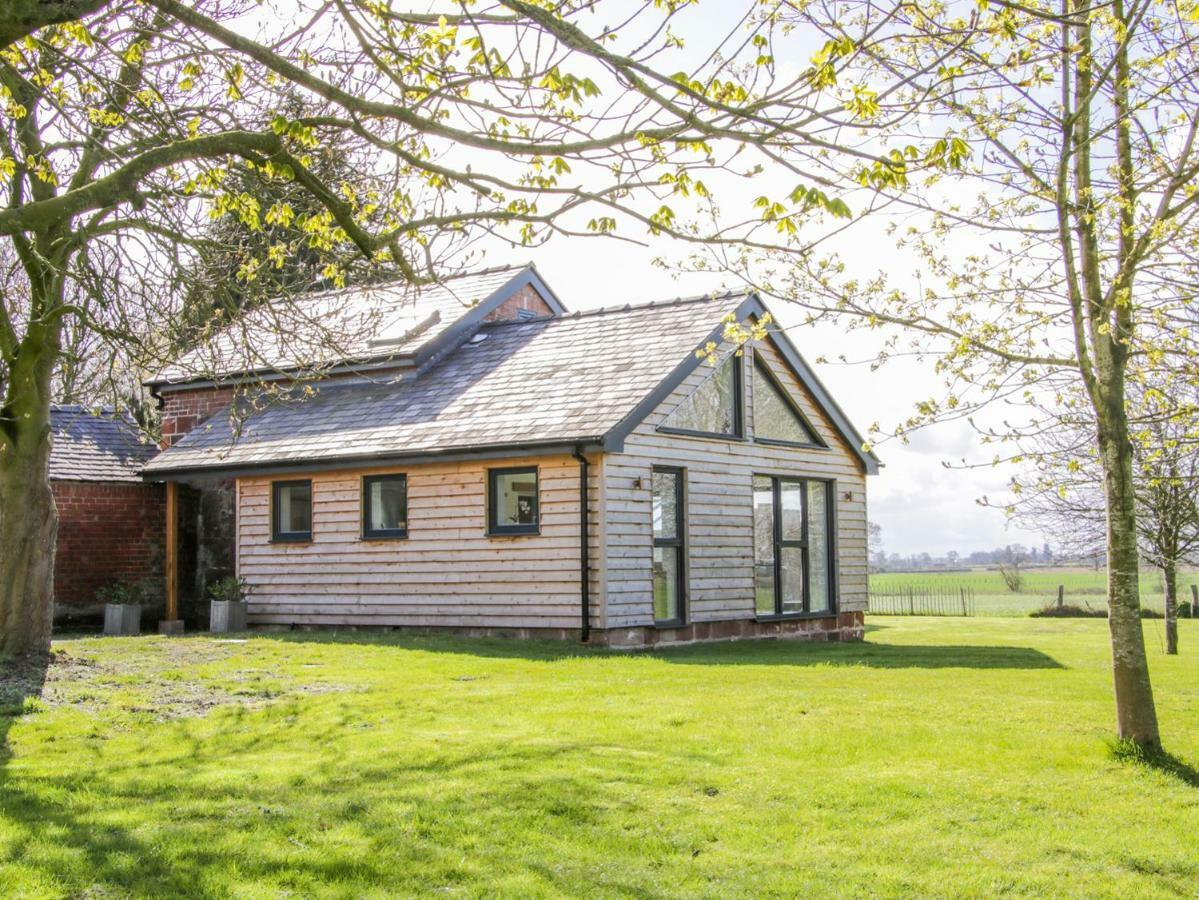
<point>305,296</point>
<point>626,308</point>
<point>95,412</point>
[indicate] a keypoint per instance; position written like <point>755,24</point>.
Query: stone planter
<point>227,615</point>
<point>122,618</point>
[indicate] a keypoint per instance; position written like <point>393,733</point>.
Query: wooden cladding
<point>447,572</point>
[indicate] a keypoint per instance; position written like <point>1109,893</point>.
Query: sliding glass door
<point>792,546</point>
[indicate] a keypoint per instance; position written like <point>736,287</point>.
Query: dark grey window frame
<point>382,534</point>
<point>738,409</point>
<point>497,529</point>
<point>291,537</point>
<point>830,524</point>
<point>680,541</point>
<point>760,366</point>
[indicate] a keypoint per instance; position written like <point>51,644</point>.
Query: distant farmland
<point>1084,587</point>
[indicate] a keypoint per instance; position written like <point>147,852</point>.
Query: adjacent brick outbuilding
<point>111,524</point>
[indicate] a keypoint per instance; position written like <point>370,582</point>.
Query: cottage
<point>479,459</point>
<point>110,522</point>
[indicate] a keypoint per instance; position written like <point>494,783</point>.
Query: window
<point>668,567</point>
<point>792,546</point>
<point>512,501</point>
<point>776,417</point>
<point>384,506</point>
<point>291,511</point>
<point>713,408</point>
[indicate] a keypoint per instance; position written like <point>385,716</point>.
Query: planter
<point>227,615</point>
<point>122,618</point>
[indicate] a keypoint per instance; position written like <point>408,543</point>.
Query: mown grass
<point>939,758</point>
<point>1084,587</point>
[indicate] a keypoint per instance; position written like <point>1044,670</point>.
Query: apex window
<point>291,510</point>
<point>714,408</point>
<point>776,417</point>
<point>512,501</point>
<point>793,566</point>
<point>384,506</point>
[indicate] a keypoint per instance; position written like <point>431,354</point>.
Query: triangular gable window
<point>714,407</point>
<point>775,416</point>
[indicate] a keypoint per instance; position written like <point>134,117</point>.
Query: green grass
<point>940,758</point>
<point>1083,587</point>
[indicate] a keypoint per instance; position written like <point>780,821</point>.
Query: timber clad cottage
<point>476,458</point>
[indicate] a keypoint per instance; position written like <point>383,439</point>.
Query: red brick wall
<point>184,410</point>
<point>107,531</point>
<point>525,298</point>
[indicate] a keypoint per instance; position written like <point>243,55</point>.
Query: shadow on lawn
<point>741,653</point>
<point>401,836</point>
<point>31,817</point>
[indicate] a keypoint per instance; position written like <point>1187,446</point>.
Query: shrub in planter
<point>227,611</point>
<point>122,607</point>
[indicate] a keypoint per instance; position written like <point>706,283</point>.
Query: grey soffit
<point>372,324</point>
<point>546,381</point>
<point>95,447</point>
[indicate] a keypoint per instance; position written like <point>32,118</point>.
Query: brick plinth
<point>844,627</point>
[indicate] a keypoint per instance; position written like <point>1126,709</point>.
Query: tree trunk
<point>1136,716</point>
<point>28,517</point>
<point>28,531</point>
<point>1170,577</point>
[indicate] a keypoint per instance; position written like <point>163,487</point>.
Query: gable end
<point>751,306</point>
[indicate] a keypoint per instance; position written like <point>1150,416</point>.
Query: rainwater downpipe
<point>584,550</point>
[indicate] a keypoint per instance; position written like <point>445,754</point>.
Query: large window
<point>512,506</point>
<point>713,408</point>
<point>668,546</point>
<point>291,511</point>
<point>384,506</point>
<point>792,546</point>
<point>776,418</point>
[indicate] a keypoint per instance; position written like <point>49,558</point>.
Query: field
<point>942,757</point>
<point>1084,587</point>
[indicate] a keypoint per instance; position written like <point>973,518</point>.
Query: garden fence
<point>923,601</point>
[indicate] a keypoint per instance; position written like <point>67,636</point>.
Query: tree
<point>1063,491</point>
<point>125,125</point>
<point>875,552</point>
<point>1011,567</point>
<point>226,276</point>
<point>1059,253</point>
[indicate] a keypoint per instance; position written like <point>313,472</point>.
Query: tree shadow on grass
<point>764,652</point>
<point>21,680</point>
<point>1162,761</point>
<point>58,830</point>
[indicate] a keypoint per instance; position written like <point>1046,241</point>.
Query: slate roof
<point>90,447</point>
<point>558,380</point>
<point>358,324</point>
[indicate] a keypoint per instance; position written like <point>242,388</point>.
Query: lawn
<point>1084,587</point>
<point>941,757</point>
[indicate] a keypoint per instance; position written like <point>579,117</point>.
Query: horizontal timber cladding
<point>719,507</point>
<point>446,573</point>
